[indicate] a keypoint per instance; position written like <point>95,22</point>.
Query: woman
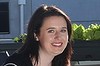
<point>48,41</point>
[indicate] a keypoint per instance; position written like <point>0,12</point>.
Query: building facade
<point>20,11</point>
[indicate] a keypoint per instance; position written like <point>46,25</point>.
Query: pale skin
<point>53,39</point>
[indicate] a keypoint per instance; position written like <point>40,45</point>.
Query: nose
<point>57,35</point>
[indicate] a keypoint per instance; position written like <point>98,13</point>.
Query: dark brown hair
<point>31,46</point>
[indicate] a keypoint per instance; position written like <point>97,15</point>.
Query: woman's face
<point>53,35</point>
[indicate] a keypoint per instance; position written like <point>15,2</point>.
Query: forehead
<point>54,21</point>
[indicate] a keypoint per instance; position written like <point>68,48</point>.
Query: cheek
<point>44,38</point>
<point>65,38</point>
<point>45,42</point>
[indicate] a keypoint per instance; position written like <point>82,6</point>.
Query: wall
<point>80,11</point>
<point>14,18</point>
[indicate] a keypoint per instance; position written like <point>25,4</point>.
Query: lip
<point>57,44</point>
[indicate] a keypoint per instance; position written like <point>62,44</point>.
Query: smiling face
<point>53,35</point>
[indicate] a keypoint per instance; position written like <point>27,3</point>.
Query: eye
<point>64,30</point>
<point>51,31</point>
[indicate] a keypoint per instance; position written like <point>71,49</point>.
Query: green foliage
<point>78,31</point>
<point>82,33</point>
<point>20,38</point>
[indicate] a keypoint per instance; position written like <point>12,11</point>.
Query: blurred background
<point>15,15</point>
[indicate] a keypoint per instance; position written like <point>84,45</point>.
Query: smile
<point>57,44</point>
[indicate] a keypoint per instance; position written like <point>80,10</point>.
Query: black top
<point>18,60</point>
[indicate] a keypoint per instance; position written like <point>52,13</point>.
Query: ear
<point>35,36</point>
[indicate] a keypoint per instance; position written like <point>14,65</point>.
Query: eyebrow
<point>55,28</point>
<point>50,28</point>
<point>64,27</point>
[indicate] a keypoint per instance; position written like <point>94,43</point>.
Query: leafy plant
<point>20,38</point>
<point>82,33</point>
<point>92,32</point>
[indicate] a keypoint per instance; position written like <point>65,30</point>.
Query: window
<point>4,18</point>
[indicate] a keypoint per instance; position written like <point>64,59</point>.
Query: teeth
<point>57,44</point>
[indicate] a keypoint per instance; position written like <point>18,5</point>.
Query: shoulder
<point>16,60</point>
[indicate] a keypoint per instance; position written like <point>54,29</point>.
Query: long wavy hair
<point>31,46</point>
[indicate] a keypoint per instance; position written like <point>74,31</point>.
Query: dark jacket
<point>17,60</point>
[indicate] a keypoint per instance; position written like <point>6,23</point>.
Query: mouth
<point>57,44</point>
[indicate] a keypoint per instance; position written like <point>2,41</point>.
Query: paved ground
<point>86,63</point>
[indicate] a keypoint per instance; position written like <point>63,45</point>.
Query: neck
<point>45,59</point>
